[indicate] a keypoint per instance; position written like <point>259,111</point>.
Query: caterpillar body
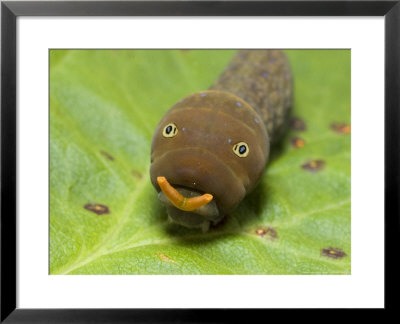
<point>210,149</point>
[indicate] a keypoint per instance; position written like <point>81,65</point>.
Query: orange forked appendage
<point>179,201</point>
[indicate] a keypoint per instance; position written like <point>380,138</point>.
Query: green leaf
<point>105,217</point>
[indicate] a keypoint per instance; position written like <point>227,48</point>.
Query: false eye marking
<point>241,149</point>
<point>170,130</point>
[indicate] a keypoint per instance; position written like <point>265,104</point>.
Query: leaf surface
<point>105,217</point>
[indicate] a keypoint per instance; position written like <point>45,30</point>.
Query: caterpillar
<point>210,149</point>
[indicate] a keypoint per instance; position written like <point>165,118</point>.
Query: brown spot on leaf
<point>107,155</point>
<point>269,231</point>
<point>298,142</point>
<point>333,253</point>
<point>297,124</point>
<point>99,209</point>
<point>314,165</point>
<point>136,174</point>
<point>260,232</point>
<point>164,258</point>
<point>341,128</point>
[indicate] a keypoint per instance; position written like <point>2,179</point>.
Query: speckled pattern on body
<point>263,79</point>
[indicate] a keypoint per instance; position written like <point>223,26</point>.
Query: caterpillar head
<point>208,151</point>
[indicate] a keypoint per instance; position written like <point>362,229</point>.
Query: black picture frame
<point>10,10</point>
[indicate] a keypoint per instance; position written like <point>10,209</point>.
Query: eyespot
<point>170,130</point>
<point>241,149</point>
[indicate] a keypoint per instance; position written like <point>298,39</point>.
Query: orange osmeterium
<point>179,201</point>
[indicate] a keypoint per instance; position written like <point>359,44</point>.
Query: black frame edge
<point>203,8</point>
<point>8,162</point>
<point>69,316</point>
<point>392,150</point>
<point>9,313</point>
